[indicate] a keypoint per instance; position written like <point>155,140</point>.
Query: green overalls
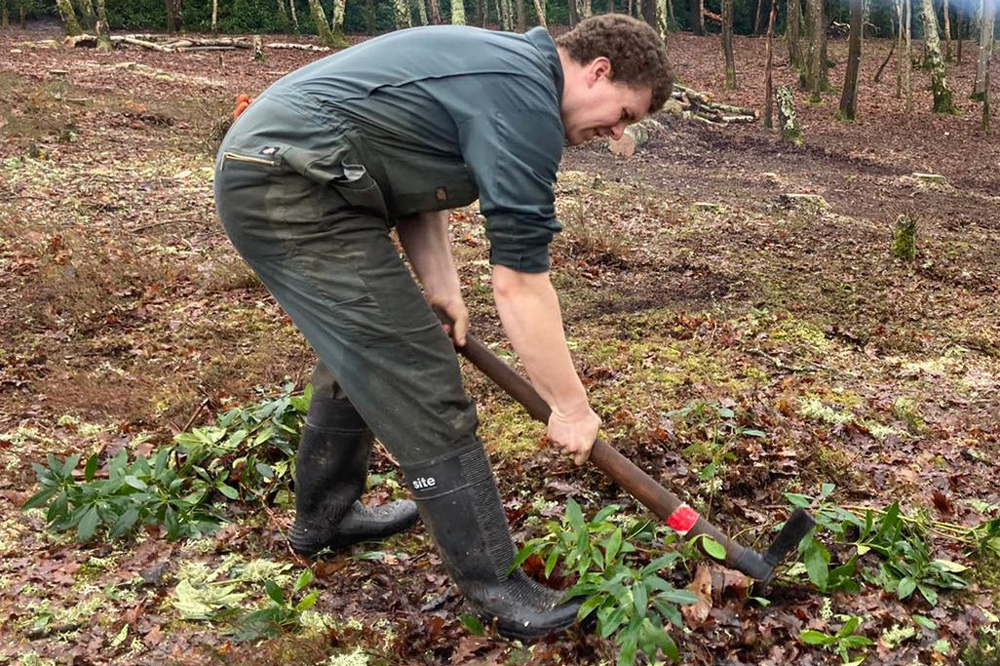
<point>313,175</point>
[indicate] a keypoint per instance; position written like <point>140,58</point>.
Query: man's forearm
<point>529,310</point>
<point>425,240</point>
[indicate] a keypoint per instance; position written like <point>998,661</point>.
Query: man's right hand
<point>574,433</point>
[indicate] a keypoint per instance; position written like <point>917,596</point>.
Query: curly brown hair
<point>638,56</point>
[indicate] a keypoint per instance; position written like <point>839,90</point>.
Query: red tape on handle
<point>683,519</point>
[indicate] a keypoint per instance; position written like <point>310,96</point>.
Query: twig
<point>202,405</point>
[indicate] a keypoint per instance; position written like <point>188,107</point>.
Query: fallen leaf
<point>701,585</point>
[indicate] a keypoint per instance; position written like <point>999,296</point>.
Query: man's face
<point>603,107</point>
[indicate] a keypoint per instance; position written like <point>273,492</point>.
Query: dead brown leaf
<point>701,585</point>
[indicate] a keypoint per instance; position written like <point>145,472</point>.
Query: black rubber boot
<point>331,467</point>
<point>460,506</point>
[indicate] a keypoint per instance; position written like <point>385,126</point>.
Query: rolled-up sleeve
<point>514,154</point>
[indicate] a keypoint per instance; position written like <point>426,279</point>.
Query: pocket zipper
<point>236,157</point>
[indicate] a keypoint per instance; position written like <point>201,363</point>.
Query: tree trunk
<point>648,10</point>
<point>947,32</point>
<point>69,17</point>
<point>986,97</point>
<point>88,19</point>
<point>793,34</point>
<point>458,12</point>
<point>908,54</point>
<point>257,49</point>
<point>986,28</point>
<point>319,20</point>
<point>282,15</point>
<point>769,56</point>
<point>611,6</point>
<point>698,17</point>
<point>939,82</point>
<point>574,17</point>
<point>435,12</point>
<point>4,15</point>
<point>540,12</point>
<point>661,19</point>
<point>522,19</point>
<point>175,15</point>
<point>758,23</point>
<point>583,9</point>
<point>899,43</point>
<point>959,33</point>
<point>849,96</point>
<point>817,63</point>
<point>402,14</point>
<point>727,43</point>
<point>103,35</point>
<point>787,122</point>
<point>370,17</point>
<point>215,16</point>
<point>295,16</point>
<point>337,26</point>
<point>421,11</point>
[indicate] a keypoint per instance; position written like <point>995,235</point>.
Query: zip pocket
<point>248,159</point>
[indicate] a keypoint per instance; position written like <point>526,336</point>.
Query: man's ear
<point>599,68</point>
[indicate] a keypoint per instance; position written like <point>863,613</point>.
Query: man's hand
<point>454,307</point>
<point>575,433</point>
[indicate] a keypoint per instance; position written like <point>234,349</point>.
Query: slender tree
<point>103,34</point>
<point>792,34</point>
<point>402,14</point>
<point>337,26</point>
<point>899,42</point>
<point>88,18</point>
<point>4,15</point>
<point>458,12</point>
<point>370,17</point>
<point>583,9</point>
<point>282,14</point>
<point>215,15</point>
<point>435,12</point>
<point>932,45</point>
<point>816,77</point>
<point>571,9</point>
<point>421,11</point>
<point>661,19</point>
<point>727,43</point>
<point>849,96</point>
<point>908,53</point>
<point>295,17</point>
<point>319,20</point>
<point>987,25</point>
<point>540,12</point>
<point>769,56</point>
<point>175,15</point>
<point>947,32</point>
<point>69,17</point>
<point>698,17</point>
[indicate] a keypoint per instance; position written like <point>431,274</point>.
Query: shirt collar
<point>543,41</point>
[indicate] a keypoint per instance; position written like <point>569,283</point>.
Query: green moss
<point>814,408</point>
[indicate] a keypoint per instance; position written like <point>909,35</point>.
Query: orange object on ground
<point>242,102</point>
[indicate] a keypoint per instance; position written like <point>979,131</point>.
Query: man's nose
<point>617,131</point>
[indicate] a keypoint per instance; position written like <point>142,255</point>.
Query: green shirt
<point>452,112</point>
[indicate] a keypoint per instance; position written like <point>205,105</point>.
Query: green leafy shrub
<point>904,566</point>
<point>247,455</point>
<point>630,600</point>
<point>841,642</point>
<point>281,614</point>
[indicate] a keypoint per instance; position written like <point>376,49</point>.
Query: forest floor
<point>738,344</point>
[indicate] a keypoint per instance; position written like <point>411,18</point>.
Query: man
<point>395,131</point>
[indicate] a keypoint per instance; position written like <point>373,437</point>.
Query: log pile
<point>171,43</point>
<point>688,104</point>
<point>699,106</point>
